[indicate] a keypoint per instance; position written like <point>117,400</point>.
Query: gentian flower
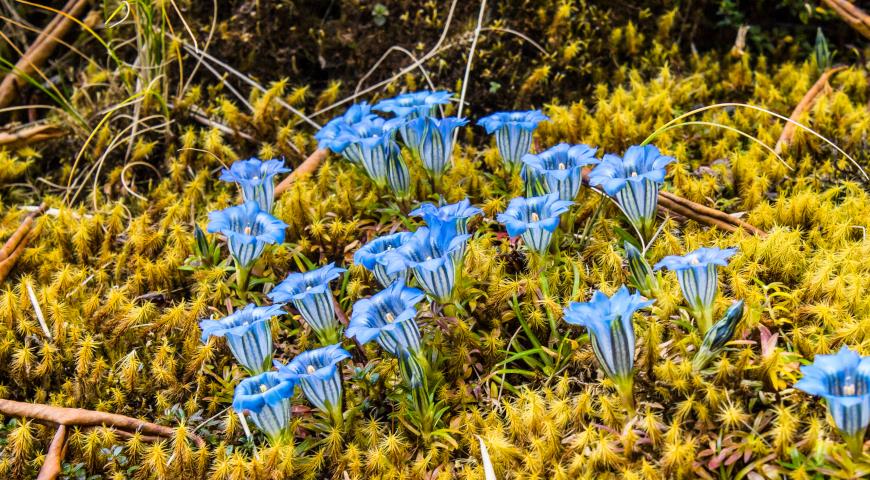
<point>642,275</point>
<point>535,219</point>
<point>388,317</point>
<point>451,219</point>
<point>434,141</point>
<point>434,259</point>
<point>843,380</point>
<point>248,229</point>
<point>635,180</point>
<point>696,273</point>
<point>513,133</point>
<point>559,168</point>
<point>371,255</point>
<point>370,143</point>
<point>718,336</point>
<point>266,399</point>
<point>248,334</point>
<point>257,179</point>
<point>311,295</point>
<point>414,104</point>
<point>327,136</point>
<point>317,372</point>
<point>611,332</point>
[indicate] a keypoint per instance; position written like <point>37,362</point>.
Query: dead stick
<point>51,468</point>
<point>19,233</point>
<point>698,217</point>
<point>87,418</point>
<point>39,52</point>
<point>309,166</point>
<point>29,135</point>
<point>851,14</point>
<point>7,265</point>
<point>712,212</point>
<point>805,104</point>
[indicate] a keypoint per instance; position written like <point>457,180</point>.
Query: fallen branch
<point>29,135</point>
<point>40,50</point>
<point>669,200</point>
<point>804,105</point>
<point>307,167</point>
<point>19,234</point>
<point>51,468</point>
<point>88,418</point>
<point>851,14</point>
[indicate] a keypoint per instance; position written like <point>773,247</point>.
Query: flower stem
<point>243,274</point>
<point>855,443</point>
<point>625,388</point>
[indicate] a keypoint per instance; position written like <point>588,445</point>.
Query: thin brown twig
<point>851,14</point>
<point>51,467</point>
<point>804,105</point>
<point>307,167</point>
<point>33,134</point>
<point>88,418</point>
<point>19,234</point>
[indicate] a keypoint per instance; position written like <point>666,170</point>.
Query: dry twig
<point>307,167</point>
<point>51,468</point>
<point>804,105</point>
<point>25,136</point>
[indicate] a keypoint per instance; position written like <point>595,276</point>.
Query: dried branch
<point>40,51</point>
<point>307,167</point>
<point>51,468</point>
<point>29,135</point>
<point>88,418</point>
<point>20,233</point>
<point>851,14</point>
<point>804,105</point>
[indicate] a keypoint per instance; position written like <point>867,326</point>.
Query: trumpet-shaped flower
<point>698,279</point>
<point>559,168</point>
<point>409,106</point>
<point>248,229</point>
<point>434,141</point>
<point>389,318</point>
<point>634,180</point>
<point>449,219</point>
<point>248,334</point>
<point>611,332</point>
<point>535,219</point>
<point>434,259</point>
<point>718,336</point>
<point>843,380</point>
<point>642,275</point>
<point>372,256</point>
<point>328,136</point>
<point>311,295</point>
<point>371,143</point>
<point>266,399</point>
<point>317,371</point>
<point>256,178</point>
<point>513,133</point>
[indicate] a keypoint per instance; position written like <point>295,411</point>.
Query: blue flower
<point>317,371</point>
<point>696,273</point>
<point>266,399</point>
<point>451,219</point>
<point>642,275</point>
<point>248,334</point>
<point>611,331</point>
<point>388,317</point>
<point>634,180</point>
<point>327,136</point>
<point>843,380</point>
<point>371,255</point>
<point>414,104</point>
<point>535,219</point>
<point>257,179</point>
<point>432,141</point>
<point>559,168</point>
<point>718,336</point>
<point>513,133</point>
<point>371,143</point>
<point>247,229</point>
<point>434,259</point>
<point>311,295</point>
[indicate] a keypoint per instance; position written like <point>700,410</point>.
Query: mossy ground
<point>122,315</point>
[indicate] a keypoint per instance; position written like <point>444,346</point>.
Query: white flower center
<point>263,388</point>
<point>390,318</point>
<point>849,389</point>
<point>535,217</point>
<point>694,261</point>
<point>561,166</point>
<point>633,174</point>
<point>310,369</point>
<point>247,230</point>
<point>308,288</point>
<point>428,257</point>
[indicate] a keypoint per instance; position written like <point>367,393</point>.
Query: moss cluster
<point>109,272</point>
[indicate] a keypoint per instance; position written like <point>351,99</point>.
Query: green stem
<point>855,443</point>
<point>625,388</point>
<point>243,273</point>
